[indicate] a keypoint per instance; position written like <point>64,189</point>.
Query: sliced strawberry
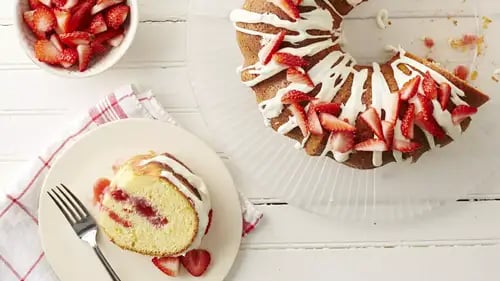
<point>405,146</point>
<point>47,3</point>
<point>313,123</point>
<point>267,52</point>
<point>289,60</point>
<point>444,94</point>
<point>297,2</point>
<point>44,20</point>
<point>295,96</point>
<point>168,265</point>
<point>428,123</point>
<point>410,88</point>
<point>288,7</point>
<point>76,38</point>
<point>330,108</point>
<point>408,123</point>
<point>300,115</point>
<point>99,187</point>
<point>117,15</point>
<point>117,40</point>
<point>196,261</point>
<point>334,124</point>
<point>45,51</point>
<point>388,129</point>
<point>296,75</point>
<point>341,142</point>
<point>462,112</point>
<point>98,48</point>
<point>429,86</point>
<point>68,57</point>
<point>97,24</point>
<point>81,16</point>
<point>70,4</point>
<point>107,35</point>
<point>372,145</point>
<point>392,107</point>
<point>62,19</point>
<point>372,119</point>
<point>56,42</point>
<point>84,56</point>
<point>423,104</point>
<point>28,19</point>
<point>461,72</point>
<point>104,4</point>
<point>210,215</point>
<point>59,3</point>
<point>34,4</point>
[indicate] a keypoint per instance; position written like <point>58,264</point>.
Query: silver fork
<point>81,221</point>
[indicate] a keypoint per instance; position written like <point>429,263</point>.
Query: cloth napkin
<point>21,255</point>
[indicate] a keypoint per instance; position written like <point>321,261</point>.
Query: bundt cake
<point>154,205</point>
<point>364,116</point>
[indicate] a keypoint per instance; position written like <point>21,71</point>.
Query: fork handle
<point>106,264</point>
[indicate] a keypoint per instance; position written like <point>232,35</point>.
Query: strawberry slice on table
<point>388,130</point>
<point>196,261</point>
<point>341,142</point>
<point>298,75</point>
<point>462,112</point>
<point>99,187</point>
<point>410,88</point>
<point>392,107</point>
<point>372,145</point>
<point>56,42</point>
<point>104,4</point>
<point>81,16</point>
<point>97,24</point>
<point>117,40</point>
<point>429,124</point>
<point>168,265</point>
<point>28,19</point>
<point>84,56</point>
<point>289,60</point>
<point>444,94</point>
<point>210,216</point>
<point>117,15</point>
<point>429,86</point>
<point>313,123</point>
<point>68,57</point>
<point>330,108</point>
<point>372,119</point>
<point>405,146</point>
<point>76,38</point>
<point>289,7</point>
<point>44,20</point>
<point>407,125</point>
<point>46,52</point>
<point>62,19</point>
<point>295,96</point>
<point>334,124</point>
<point>267,52</point>
<point>300,116</point>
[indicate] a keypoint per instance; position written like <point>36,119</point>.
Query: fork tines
<point>70,206</point>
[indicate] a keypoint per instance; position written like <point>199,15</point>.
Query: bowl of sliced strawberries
<point>76,38</point>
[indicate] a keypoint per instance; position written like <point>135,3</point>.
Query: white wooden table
<point>456,242</point>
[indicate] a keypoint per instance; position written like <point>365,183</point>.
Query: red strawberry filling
<point>141,206</point>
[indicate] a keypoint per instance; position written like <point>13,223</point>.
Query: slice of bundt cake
<point>312,91</point>
<point>154,206</point>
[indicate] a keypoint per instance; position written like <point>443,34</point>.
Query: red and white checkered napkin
<point>21,255</point>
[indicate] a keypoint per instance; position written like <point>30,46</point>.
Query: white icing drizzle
<point>383,18</point>
<point>202,207</point>
<point>337,66</point>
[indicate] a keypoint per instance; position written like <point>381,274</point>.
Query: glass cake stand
<point>269,164</point>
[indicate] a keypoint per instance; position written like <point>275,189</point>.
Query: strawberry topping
<point>300,116</point>
<point>410,88</point>
<point>210,216</point>
<point>461,72</point>
<point>196,261</point>
<point>444,94</point>
<point>313,123</point>
<point>334,124</point>
<point>295,96</point>
<point>388,129</point>
<point>99,187</point>
<point>289,7</point>
<point>296,75</point>
<point>267,52</point>
<point>429,86</point>
<point>330,108</point>
<point>372,119</point>
<point>168,265</point>
<point>372,145</point>
<point>289,60</point>
<point>407,125</point>
<point>341,142</point>
<point>462,112</point>
<point>428,123</point>
<point>405,146</point>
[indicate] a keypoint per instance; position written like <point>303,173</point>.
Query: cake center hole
<point>362,36</point>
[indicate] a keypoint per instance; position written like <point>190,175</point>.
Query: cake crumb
<point>496,75</point>
<point>468,42</point>
<point>474,75</point>
<point>461,71</point>
<point>429,42</point>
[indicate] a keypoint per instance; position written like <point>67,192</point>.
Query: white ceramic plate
<point>91,157</point>
<point>268,163</point>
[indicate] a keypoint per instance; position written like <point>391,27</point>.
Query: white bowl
<point>99,65</point>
